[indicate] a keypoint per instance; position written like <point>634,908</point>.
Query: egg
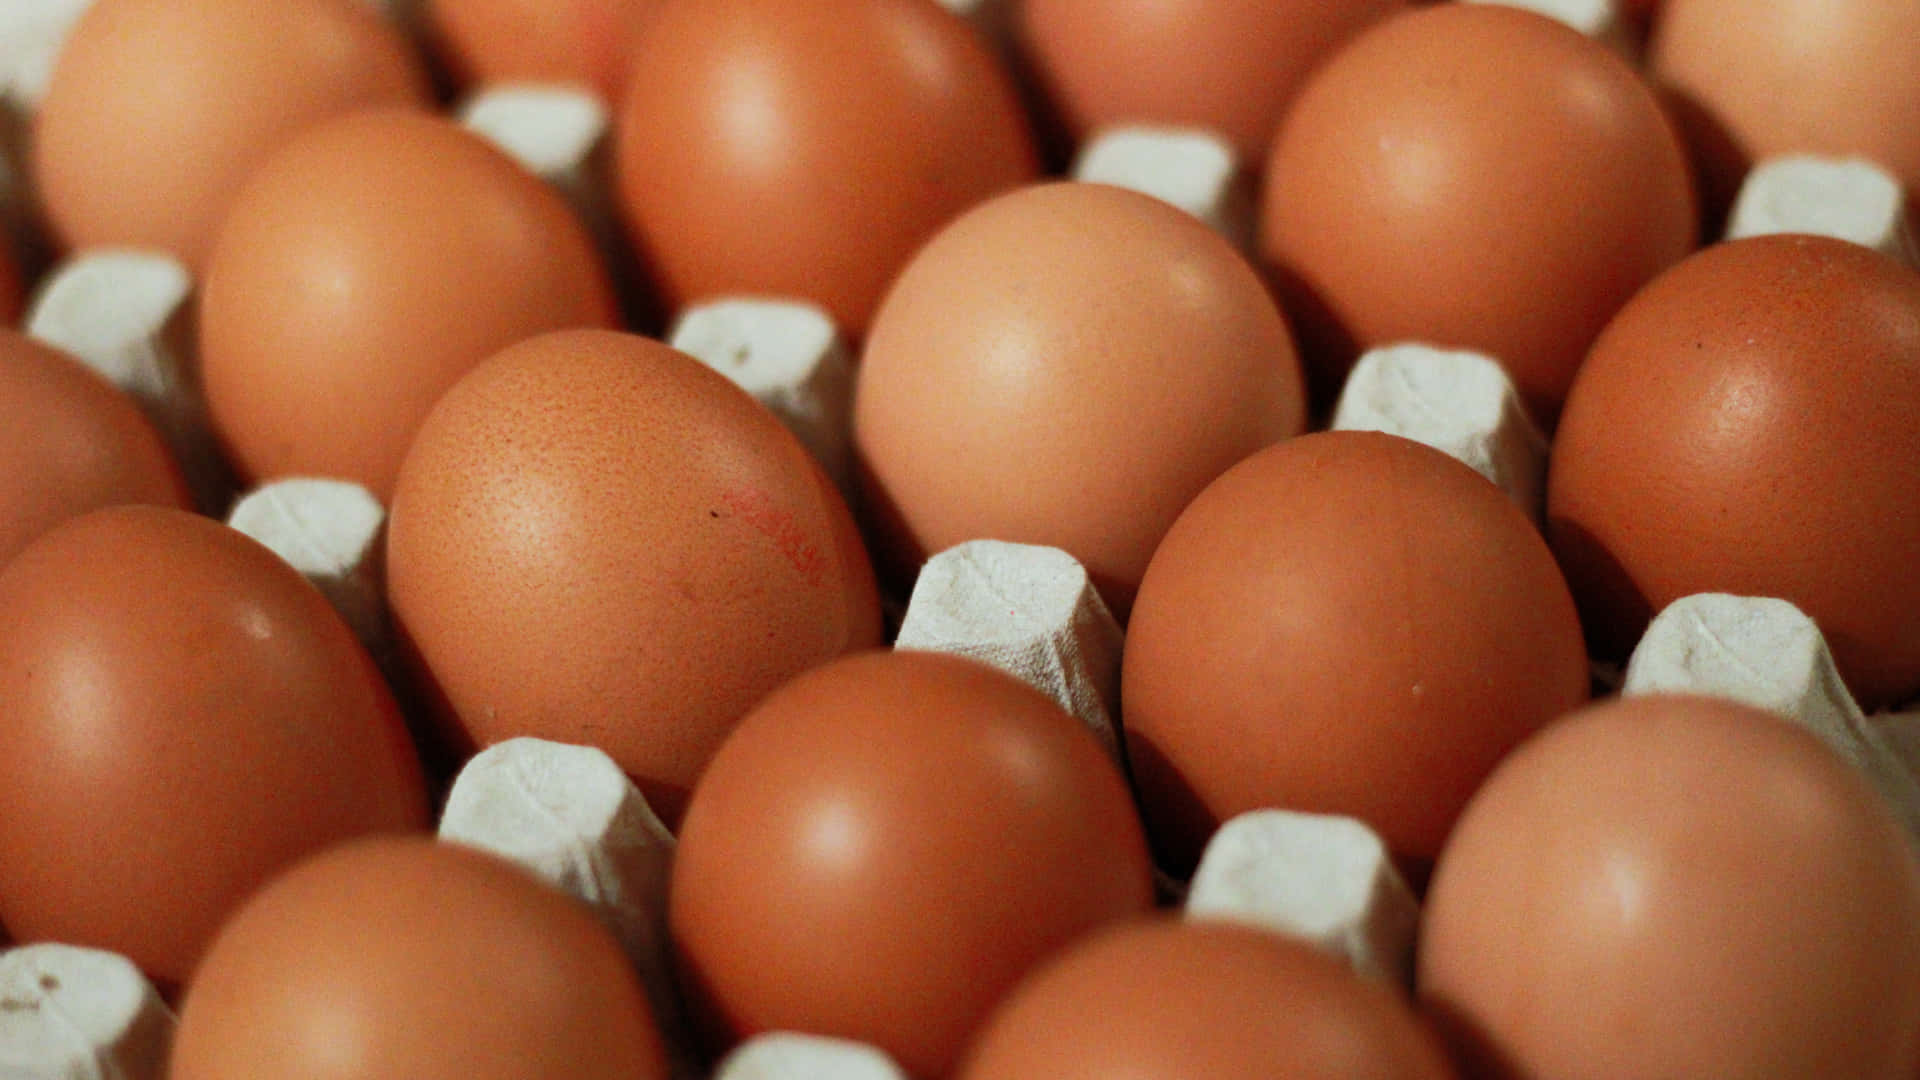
<point>186,716</point>
<point>887,844</point>
<point>580,42</point>
<point>1473,176</point>
<point>1755,79</point>
<point>1067,365</point>
<point>1750,424</point>
<point>1202,1001</point>
<point>73,443</point>
<point>403,957</point>
<point>1348,623</point>
<point>362,270</point>
<point>1671,886</point>
<point>1226,66</point>
<point>804,148</point>
<point>158,109</point>
<point>598,539</point>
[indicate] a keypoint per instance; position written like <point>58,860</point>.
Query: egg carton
<point>80,1014</point>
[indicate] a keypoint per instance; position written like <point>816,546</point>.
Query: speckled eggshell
<point>1750,424</point>
<point>597,539</point>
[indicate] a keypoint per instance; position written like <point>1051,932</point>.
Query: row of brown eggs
<point>596,539</point>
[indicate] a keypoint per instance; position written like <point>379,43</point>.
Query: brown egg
<point>1474,176</point>
<point>72,443</point>
<point>1346,623</point>
<point>1676,887</point>
<point>363,269</point>
<point>597,539</point>
<point>186,715</point>
<point>1228,66</point>
<point>887,844</point>
<point>1202,1001</point>
<point>1750,424</point>
<point>1755,78</point>
<point>407,958</point>
<point>158,109</point>
<point>584,42</point>
<point>1068,365</point>
<point>805,148</point>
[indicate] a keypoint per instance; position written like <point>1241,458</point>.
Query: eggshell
<point>886,844</point>
<point>362,270</point>
<point>401,957</point>
<point>1194,1001</point>
<point>73,443</point>
<point>158,109</point>
<point>1067,365</point>
<point>597,539</point>
<point>1750,424</point>
<point>12,289</point>
<point>1755,78</point>
<point>1348,623</point>
<point>582,42</point>
<point>185,716</point>
<point>1227,66</point>
<point>1672,886</point>
<point>1473,176</point>
<point>805,148</point>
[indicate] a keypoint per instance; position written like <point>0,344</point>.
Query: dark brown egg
<point>1474,176</point>
<point>185,716</point>
<point>72,443</point>
<point>805,148</point>
<point>887,844</point>
<point>1750,424</point>
<point>1349,623</point>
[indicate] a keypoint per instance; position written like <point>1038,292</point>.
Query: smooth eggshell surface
<point>1226,66</point>
<point>365,268</point>
<point>158,109</point>
<point>1347,623</point>
<point>1068,365</point>
<point>1473,176</point>
<point>887,844</point>
<point>185,716</point>
<point>407,958</point>
<point>597,539</point>
<point>1203,1001</point>
<point>1671,886</point>
<point>582,42</point>
<point>805,148</point>
<point>1756,78</point>
<point>1750,424</point>
<point>72,443</point>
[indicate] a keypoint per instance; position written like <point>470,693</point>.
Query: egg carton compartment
<point>67,1011</point>
<point>787,1055</point>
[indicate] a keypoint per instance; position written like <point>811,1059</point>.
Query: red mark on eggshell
<point>776,523</point>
